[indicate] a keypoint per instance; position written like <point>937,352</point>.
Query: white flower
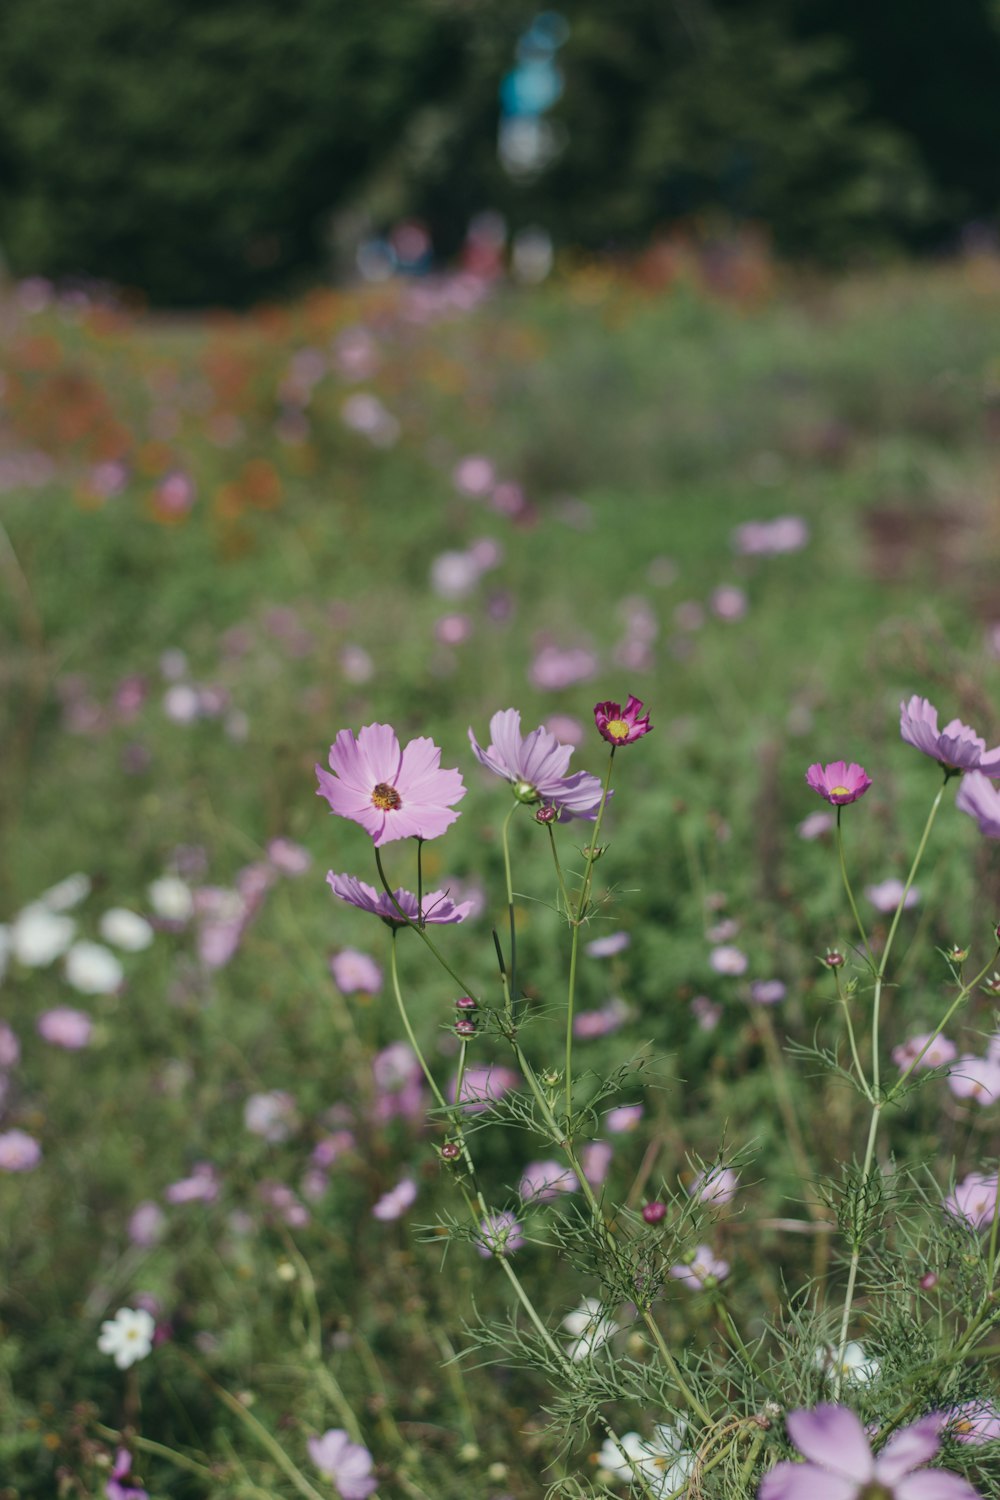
<point>590,1328</point>
<point>171,898</point>
<point>663,1462</point>
<point>128,1336</point>
<point>38,936</point>
<point>856,1368</point>
<point>93,969</point>
<point>126,929</point>
<point>67,894</point>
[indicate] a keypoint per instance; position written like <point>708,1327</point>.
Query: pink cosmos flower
<point>886,896</point>
<point>620,726</point>
<point>394,1203</point>
<point>544,1180</point>
<point>770,538</point>
<point>939,1052</point>
<point>707,1012</point>
<point>624,1118</point>
<point>704,1269</point>
<point>288,857</point>
<point>437,907</point>
<point>816,825</point>
<point>65,1027</point>
<point>347,1464</point>
<point>975,1078</point>
<point>728,960</point>
<point>392,793</point>
<point>588,1024</point>
<point>768,991</point>
<point>554,668</point>
<point>974,1200</point>
<point>839,782</point>
<point>483,1085</point>
<point>978,797</point>
<point>596,1158</point>
<point>272,1115</point>
<point>499,1234</point>
<point>353,970</point>
<point>841,1466</point>
<point>716,1185</point>
<point>201,1187</point>
<point>19,1151</point>
<point>119,1484</point>
<point>608,945</point>
<point>956,746</point>
<point>536,765</point>
<point>146,1225</point>
<point>973,1422</point>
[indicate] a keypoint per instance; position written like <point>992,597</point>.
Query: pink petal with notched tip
<point>833,1437</point>
<point>788,1481</point>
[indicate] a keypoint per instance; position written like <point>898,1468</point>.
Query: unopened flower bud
<point>833,959</point>
<point>525,792</point>
<point>466,1003</point>
<point>550,1078</point>
<point>992,985</point>
<point>547,814</point>
<point>928,1280</point>
<point>958,955</point>
<point>654,1213</point>
<point>451,1151</point>
<point>593,852</point>
<point>465,1027</point>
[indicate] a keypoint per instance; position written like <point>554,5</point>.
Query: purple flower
<point>609,945</point>
<point>974,1200</point>
<point>887,895</point>
<point>956,746</point>
<point>939,1052</point>
<point>703,1269</point>
<point>620,726</point>
<point>536,765</point>
<point>347,1464</point>
<point>728,960</point>
<point>19,1152</point>
<point>839,782</point>
<point>119,1485</point>
<point>392,793</point>
<point>973,1422</point>
<point>840,1464</point>
<point>65,1027</point>
<point>483,1085</point>
<point>978,797</point>
<point>544,1180</point>
<point>394,1203</point>
<point>499,1234</point>
<point>975,1078</point>
<point>767,991</point>
<point>353,971</point>
<point>438,905</point>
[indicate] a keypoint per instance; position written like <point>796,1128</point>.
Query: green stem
<point>850,893</point>
<point>559,870</point>
<point>852,1274</point>
<point>158,1450</point>
<point>394,973</point>
<point>511,989</point>
<point>578,919</point>
<point>406,921</point>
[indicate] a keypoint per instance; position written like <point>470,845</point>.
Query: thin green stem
<point>158,1450</point>
<point>411,1037</point>
<point>578,919</point>
<point>850,893</point>
<point>852,1274</point>
<point>511,990</point>
<point>559,870</point>
<point>406,921</point>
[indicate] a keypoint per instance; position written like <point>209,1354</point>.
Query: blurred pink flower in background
<point>353,970</point>
<point>770,538</point>
<point>272,1115</point>
<point>65,1027</point>
<point>544,1180</point>
<point>978,797</point>
<point>939,1052</point>
<point>728,960</point>
<point>288,858</point>
<point>482,1085</point>
<point>348,1465</point>
<point>728,602</point>
<point>588,1024</point>
<point>202,1186</point>
<point>10,1047</point>
<point>816,825</point>
<point>395,1203</point>
<point>703,1269</point>
<point>474,476</point>
<point>715,1185</point>
<point>624,1118</point>
<point>974,1200</point>
<point>499,1234</point>
<point>595,1159</point>
<point>608,945</point>
<point>976,1078</point>
<point>19,1152</point>
<point>147,1225</point>
<point>398,1083</point>
<point>554,668</point>
<point>768,991</point>
<point>707,1012</point>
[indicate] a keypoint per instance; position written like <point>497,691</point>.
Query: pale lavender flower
<point>973,1422</point>
<point>348,1465</point>
<point>816,825</point>
<point>715,1185</point>
<point>454,575</point>
<point>887,895</point>
<point>474,475</point>
<point>728,960</point>
<point>588,1024</point>
<point>770,538</point>
<point>331,1148</point>
<point>452,630</point>
<point>978,797</point>
<point>499,1234</point>
<point>10,1047</point>
<point>974,1200</point>
<point>608,945</point>
<point>202,1186</point>
<point>65,1027</point>
<point>841,1466</point>
<point>437,905</point>
<point>288,857</point>
<point>272,1116</point>
<point>956,747</point>
<point>395,1203</point>
<point>975,1078</point>
<point>728,602</point>
<point>544,1180</point>
<point>146,1225</point>
<point>482,1085</point>
<point>19,1152</point>
<point>703,1269</point>
<point>554,668</point>
<point>353,970</point>
<point>767,991</point>
<point>536,765</point>
<point>939,1052</point>
<point>392,793</point>
<point>595,1159</point>
<point>282,1204</point>
<point>566,729</point>
<point>623,1119</point>
<point>398,1083</point>
<point>707,1012</point>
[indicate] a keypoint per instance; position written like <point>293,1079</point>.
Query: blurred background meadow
<point>404,363</point>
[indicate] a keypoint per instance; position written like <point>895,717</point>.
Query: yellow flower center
<point>840,791</point>
<point>386,798</point>
<point>618,729</point>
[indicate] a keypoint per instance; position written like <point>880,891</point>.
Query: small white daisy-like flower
<point>856,1367</point>
<point>590,1328</point>
<point>128,1336</point>
<point>663,1462</point>
<point>93,969</point>
<point>171,898</point>
<point>38,936</point>
<point>126,929</point>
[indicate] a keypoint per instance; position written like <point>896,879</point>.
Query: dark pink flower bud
<point>466,1003</point>
<point>655,1212</point>
<point>465,1027</point>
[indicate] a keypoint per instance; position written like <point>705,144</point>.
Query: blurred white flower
<point>128,1336</point>
<point>856,1368</point>
<point>663,1463</point>
<point>171,898</point>
<point>590,1328</point>
<point>38,936</point>
<point>67,894</point>
<point>93,969</point>
<point>125,929</point>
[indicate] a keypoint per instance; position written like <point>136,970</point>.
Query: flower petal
<point>934,1484</point>
<point>833,1437</point>
<point>788,1481</point>
<point>348,762</point>
<point>379,748</point>
<point>505,741</point>
<point>908,1449</point>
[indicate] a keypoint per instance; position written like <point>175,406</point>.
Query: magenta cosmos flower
<point>978,797</point>
<point>839,782</point>
<point>620,726</point>
<point>536,765</point>
<point>841,1466</point>
<point>437,906</point>
<point>956,746</point>
<point>392,793</point>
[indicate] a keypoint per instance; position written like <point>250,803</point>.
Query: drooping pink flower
<point>347,1464</point>
<point>841,1466</point>
<point>544,1180</point>
<point>939,1052</point>
<point>394,1203</point>
<point>703,1269</point>
<point>392,793</point>
<point>499,1234</point>
<point>974,1200</point>
<point>956,746</point>
<point>978,797</point>
<point>536,765</point>
<point>620,726</point>
<point>839,782</point>
<point>437,905</point>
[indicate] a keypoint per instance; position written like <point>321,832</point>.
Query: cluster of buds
<point>465,1024</point>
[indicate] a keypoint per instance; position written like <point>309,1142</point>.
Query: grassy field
<point>222,542</point>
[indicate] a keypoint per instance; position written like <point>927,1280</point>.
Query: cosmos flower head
<point>437,905</point>
<point>940,1051</point>
<point>128,1336</point>
<point>978,797</point>
<point>620,726</point>
<point>841,1466</point>
<point>703,1270</point>
<point>839,782</point>
<point>663,1462</point>
<point>536,765</point>
<point>499,1234</point>
<point>957,747</point>
<point>348,1465</point>
<point>974,1199</point>
<point>590,1327</point>
<point>392,793</point>
<point>887,894</point>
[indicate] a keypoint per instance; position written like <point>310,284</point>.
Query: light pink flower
<point>978,797</point>
<point>289,858</point>
<point>608,945</point>
<point>201,1187</point>
<point>816,825</point>
<point>623,1119</point>
<point>840,1464</point>
<point>715,1185</point>
<point>19,1152</point>
<point>65,1027</point>
<point>588,1024</point>
<point>956,746</point>
<point>621,726</point>
<point>536,765</point>
<point>595,1159</point>
<point>146,1225</point>
<point>347,1464</point>
<point>395,1203</point>
<point>707,1012</point>
<point>483,1085</point>
<point>728,960</point>
<point>353,970</point>
<point>544,1180</point>
<point>770,538</point>
<point>702,1270</point>
<point>554,668</point>
<point>499,1234</point>
<point>839,782</point>
<point>886,896</point>
<point>975,1078</point>
<point>728,602</point>
<point>768,991</point>
<point>474,475</point>
<point>974,1200</point>
<point>437,905</point>
<point>10,1047</point>
<point>392,793</point>
<point>973,1422</point>
<point>272,1116</point>
<point>939,1052</point>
